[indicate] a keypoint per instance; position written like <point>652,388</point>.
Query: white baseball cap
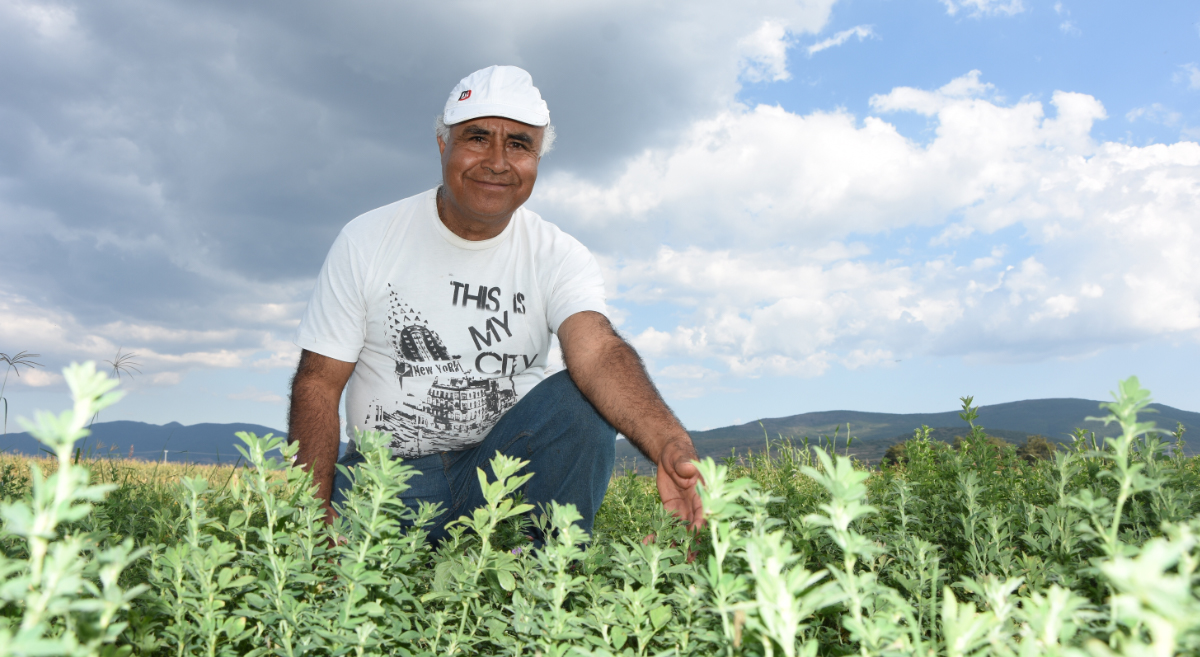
<point>505,91</point>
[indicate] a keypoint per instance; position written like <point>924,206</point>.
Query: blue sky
<point>799,206</point>
<point>1126,54</point>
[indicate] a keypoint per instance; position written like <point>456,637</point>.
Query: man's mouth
<point>490,184</point>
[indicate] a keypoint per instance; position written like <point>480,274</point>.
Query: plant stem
<point>2,387</point>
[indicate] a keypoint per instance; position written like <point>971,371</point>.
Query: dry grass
<point>15,469</point>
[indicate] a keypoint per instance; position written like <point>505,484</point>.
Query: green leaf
<point>506,579</point>
<point>244,580</point>
<point>236,519</point>
<point>660,615</point>
<point>619,637</point>
<point>256,601</point>
<point>444,574</point>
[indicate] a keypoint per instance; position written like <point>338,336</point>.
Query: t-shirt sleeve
<point>334,322</point>
<point>579,286</point>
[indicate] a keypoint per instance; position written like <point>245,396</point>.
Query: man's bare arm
<point>611,375</point>
<point>313,418</point>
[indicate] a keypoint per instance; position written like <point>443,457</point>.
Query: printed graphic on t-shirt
<point>445,405</point>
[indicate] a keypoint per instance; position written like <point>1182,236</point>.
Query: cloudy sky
<point>799,206</point>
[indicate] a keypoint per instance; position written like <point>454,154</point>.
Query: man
<point>439,309</point>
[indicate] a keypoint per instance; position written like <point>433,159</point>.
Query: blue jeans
<point>571,451</point>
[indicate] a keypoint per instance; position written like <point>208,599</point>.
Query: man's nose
<point>496,160</point>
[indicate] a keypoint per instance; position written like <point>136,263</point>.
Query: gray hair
<point>443,131</point>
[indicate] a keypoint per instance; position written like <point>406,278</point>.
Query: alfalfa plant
<point>60,594</point>
<point>21,358</point>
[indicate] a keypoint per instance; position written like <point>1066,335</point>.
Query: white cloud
<point>772,311</point>
<point>250,393</point>
<point>764,53</point>
<point>49,22</point>
<point>1059,306</point>
<point>860,31</point>
<point>986,7</point>
<point>166,378</point>
<point>37,378</point>
<point>1068,26</point>
<point>688,380</point>
<point>689,371</point>
<point>992,260</point>
<point>929,103</point>
<point>1155,113</point>
<point>793,178</point>
<point>868,358</point>
<point>283,354</point>
<point>145,333</point>
<point>160,352</point>
<point>740,187</point>
<point>1189,75</point>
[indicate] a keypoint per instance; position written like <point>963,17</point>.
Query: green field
<point>967,550</point>
<point>874,433</point>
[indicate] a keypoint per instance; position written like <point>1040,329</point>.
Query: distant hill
<point>875,432</point>
<point>197,443</point>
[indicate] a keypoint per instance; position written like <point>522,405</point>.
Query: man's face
<point>489,166</point>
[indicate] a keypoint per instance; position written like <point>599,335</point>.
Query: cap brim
<point>461,113</point>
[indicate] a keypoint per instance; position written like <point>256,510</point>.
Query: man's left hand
<point>677,479</point>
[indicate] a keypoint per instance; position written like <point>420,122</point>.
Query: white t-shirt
<point>448,334</point>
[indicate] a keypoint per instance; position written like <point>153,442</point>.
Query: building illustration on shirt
<point>445,407</point>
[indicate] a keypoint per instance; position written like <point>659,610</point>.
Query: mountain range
<point>873,432</point>
<point>197,443</point>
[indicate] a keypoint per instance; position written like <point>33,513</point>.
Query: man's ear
<point>441,146</point>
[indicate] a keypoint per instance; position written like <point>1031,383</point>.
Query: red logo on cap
<point>465,95</point>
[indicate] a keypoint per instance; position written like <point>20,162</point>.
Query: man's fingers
<point>684,473</point>
<point>687,515</point>
<point>687,507</point>
<point>687,469</point>
<point>681,464</point>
